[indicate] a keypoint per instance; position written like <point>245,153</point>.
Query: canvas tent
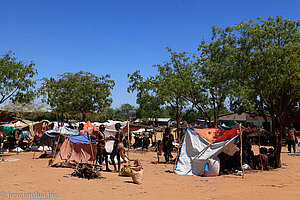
<point>200,148</point>
<point>35,128</point>
<point>76,149</point>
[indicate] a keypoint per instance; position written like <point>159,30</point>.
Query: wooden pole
<point>179,147</point>
<point>89,136</point>
<point>35,152</point>
<point>241,150</point>
<point>262,169</point>
<point>128,140</point>
<point>54,155</point>
<point>205,149</point>
<point>17,139</point>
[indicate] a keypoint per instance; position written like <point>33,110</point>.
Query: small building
<point>247,119</point>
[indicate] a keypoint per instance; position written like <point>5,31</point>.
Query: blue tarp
<point>81,138</point>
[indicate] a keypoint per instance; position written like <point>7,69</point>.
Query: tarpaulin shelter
<point>35,128</point>
<point>200,148</point>
<point>76,149</point>
<point>49,138</point>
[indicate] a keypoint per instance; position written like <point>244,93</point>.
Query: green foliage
<point>268,63</point>
<point>82,91</point>
<point>16,81</point>
<point>185,80</point>
<point>149,103</point>
<point>21,108</point>
<point>265,59</point>
<point>120,114</point>
<point>123,111</point>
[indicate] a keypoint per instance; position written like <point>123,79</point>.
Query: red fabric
<point>217,135</point>
<point>227,134</point>
<point>89,127</point>
<point>208,133</point>
<point>131,128</point>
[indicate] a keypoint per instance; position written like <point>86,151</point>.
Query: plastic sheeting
<point>193,143</point>
<point>82,138</point>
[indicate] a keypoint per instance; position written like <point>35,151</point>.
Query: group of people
<point>142,140</point>
<point>118,147</point>
<point>18,138</point>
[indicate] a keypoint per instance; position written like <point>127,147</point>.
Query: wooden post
<point>179,147</point>
<point>89,136</point>
<point>241,150</point>
<point>128,140</point>
<point>154,132</point>
<point>35,152</point>
<point>262,169</point>
<point>204,149</point>
<point>52,159</point>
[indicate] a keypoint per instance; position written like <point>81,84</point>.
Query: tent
<point>49,138</point>
<point>35,128</point>
<point>76,149</point>
<point>200,148</point>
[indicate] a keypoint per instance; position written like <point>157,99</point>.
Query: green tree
<point>271,52</point>
<point>150,105</point>
<point>168,86</point>
<point>204,81</point>
<point>158,91</point>
<point>122,113</point>
<point>16,79</point>
<point>266,60</point>
<point>80,92</point>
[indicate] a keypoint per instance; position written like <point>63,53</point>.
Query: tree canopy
<point>81,92</point>
<point>264,56</point>
<point>16,79</point>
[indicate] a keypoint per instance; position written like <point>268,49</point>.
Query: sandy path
<point>32,175</point>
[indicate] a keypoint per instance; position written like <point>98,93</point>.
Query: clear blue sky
<point>119,37</point>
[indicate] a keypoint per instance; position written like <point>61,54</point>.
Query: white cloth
<point>192,144</point>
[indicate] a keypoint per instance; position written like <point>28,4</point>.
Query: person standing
<point>81,128</point>
<point>167,144</point>
<point>101,151</point>
<point>291,139</point>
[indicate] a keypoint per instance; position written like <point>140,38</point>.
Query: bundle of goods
<point>85,170</point>
<point>137,172</point>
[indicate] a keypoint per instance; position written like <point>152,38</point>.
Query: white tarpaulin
<point>207,162</point>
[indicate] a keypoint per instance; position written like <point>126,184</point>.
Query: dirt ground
<point>25,175</point>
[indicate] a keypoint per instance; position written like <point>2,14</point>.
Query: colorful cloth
<point>7,130</point>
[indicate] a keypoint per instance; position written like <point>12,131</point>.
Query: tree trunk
<point>277,149</point>
<point>177,130</point>
<point>84,116</point>
<point>279,132</point>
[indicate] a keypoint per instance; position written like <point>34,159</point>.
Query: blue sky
<point>119,37</point>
